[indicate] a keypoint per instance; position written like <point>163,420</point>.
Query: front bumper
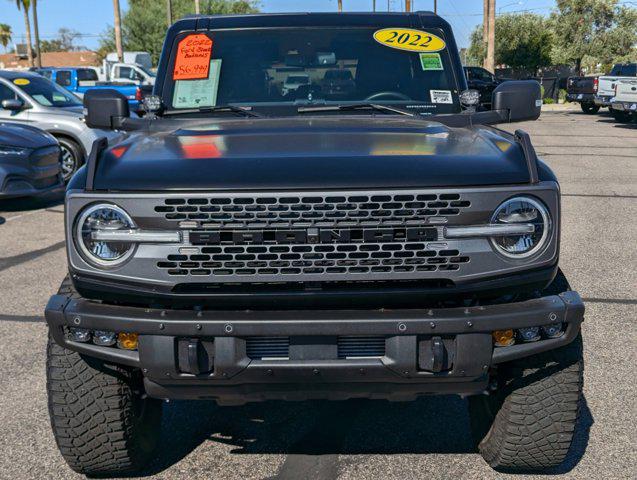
<point>313,369</point>
<point>580,97</point>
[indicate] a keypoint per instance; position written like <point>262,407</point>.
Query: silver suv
<point>29,98</point>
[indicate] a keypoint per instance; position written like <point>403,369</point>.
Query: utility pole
<point>118,31</point>
<point>340,6</point>
<point>169,12</point>
<point>36,32</point>
<point>197,7</point>
<point>436,7</point>
<point>373,5</point>
<point>490,60</point>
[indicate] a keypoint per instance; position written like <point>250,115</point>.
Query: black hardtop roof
<point>309,19</point>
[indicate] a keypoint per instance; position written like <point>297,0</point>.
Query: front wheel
<point>589,108</point>
<point>527,424</point>
<point>102,423</point>
<point>72,158</point>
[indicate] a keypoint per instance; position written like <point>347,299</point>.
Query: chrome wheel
<point>69,163</point>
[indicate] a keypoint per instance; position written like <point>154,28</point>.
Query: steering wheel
<point>387,95</point>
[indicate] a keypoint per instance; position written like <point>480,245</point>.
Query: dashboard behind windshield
<point>299,66</point>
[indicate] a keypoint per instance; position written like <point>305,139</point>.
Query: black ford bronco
<point>260,235</point>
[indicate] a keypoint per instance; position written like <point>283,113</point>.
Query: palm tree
<point>5,35</point>
<point>25,5</point>
<point>38,59</point>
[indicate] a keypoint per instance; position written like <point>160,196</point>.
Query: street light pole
<point>118,31</point>
<point>490,61</point>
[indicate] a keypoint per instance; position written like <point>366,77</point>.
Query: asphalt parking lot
<point>596,161</point>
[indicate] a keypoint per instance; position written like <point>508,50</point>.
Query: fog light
<point>503,338</point>
<point>106,339</point>
<point>553,330</point>
<point>529,334</point>
<point>80,335</point>
<point>127,341</point>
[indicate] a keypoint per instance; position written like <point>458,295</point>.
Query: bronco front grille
<point>316,210</point>
<point>290,260</point>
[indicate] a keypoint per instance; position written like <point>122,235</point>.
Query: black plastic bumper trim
<point>64,311</point>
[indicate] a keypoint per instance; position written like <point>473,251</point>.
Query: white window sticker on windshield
<point>198,93</point>
<point>42,100</point>
<point>440,96</point>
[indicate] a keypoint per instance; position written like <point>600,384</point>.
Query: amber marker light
<point>503,338</point>
<point>127,341</point>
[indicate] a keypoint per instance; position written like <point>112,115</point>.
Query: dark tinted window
<point>63,77</point>
<point>124,72</point>
<point>617,70</point>
<point>630,70</point>
<point>86,74</point>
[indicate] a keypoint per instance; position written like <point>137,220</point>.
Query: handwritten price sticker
<point>193,57</point>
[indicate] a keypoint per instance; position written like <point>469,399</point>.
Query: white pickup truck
<point>624,104</point>
<point>606,84</point>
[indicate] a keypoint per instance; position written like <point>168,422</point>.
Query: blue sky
<point>90,18</point>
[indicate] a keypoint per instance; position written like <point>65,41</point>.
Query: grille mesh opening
<point>316,210</point>
<point>359,346</point>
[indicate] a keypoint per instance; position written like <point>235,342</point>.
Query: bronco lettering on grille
<point>314,235</point>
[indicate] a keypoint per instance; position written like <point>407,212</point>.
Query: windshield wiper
<point>218,108</point>
<point>356,106</point>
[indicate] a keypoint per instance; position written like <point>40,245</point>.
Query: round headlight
<point>103,218</point>
<point>527,211</point>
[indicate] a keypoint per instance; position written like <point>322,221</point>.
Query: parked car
<point>606,83</point>
<point>142,59</point>
<point>293,82</point>
<point>582,90</point>
<point>240,246</point>
<point>624,103</point>
<point>30,161</point>
<point>29,98</point>
<point>483,81</point>
<point>80,80</point>
<point>338,83</point>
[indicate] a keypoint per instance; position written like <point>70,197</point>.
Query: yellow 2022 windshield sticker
<point>409,39</point>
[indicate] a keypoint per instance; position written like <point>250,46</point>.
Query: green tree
<point>522,40</point>
<point>5,35</point>
<point>144,23</point>
<point>25,5</point>
<point>596,30</point>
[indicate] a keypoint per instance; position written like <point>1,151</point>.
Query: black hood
<point>310,153</point>
<point>24,136</point>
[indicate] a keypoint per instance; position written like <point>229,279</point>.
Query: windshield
<point>301,66</point>
<point>47,93</point>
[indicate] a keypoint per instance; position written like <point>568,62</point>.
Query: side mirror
<point>518,100</point>
<point>105,108</point>
<point>14,105</point>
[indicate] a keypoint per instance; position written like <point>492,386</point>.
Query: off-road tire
<point>101,422</point>
<point>589,108</point>
<point>527,424</point>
